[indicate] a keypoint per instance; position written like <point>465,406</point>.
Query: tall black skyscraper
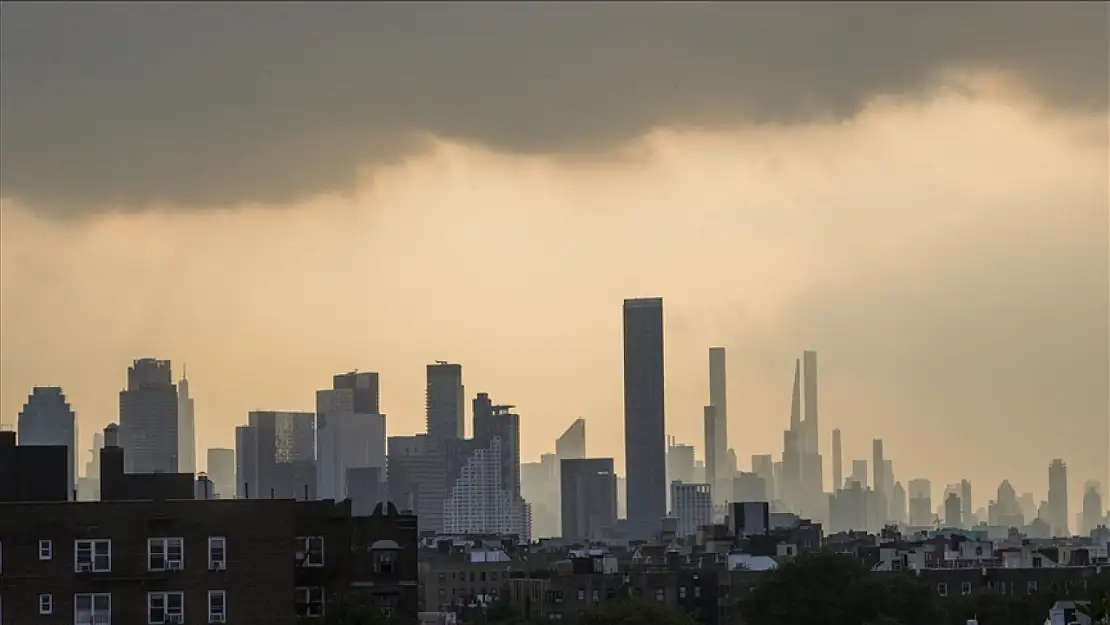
<point>645,446</point>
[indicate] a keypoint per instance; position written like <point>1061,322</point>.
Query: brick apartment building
<point>163,561</point>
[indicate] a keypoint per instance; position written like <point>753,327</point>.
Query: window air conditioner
<point>173,565</point>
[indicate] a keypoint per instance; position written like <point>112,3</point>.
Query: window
<point>1031,588</point>
<point>681,592</point>
<point>942,589</point>
<point>595,596</point>
<point>217,553</point>
<point>697,592</point>
<point>165,607</point>
<point>659,594</point>
<point>581,594</point>
<point>92,609</point>
<point>310,602</point>
<point>310,551</point>
<point>92,555</point>
<point>165,554</point>
<point>46,604</point>
<point>46,550</point>
<point>383,563</point>
<point>965,588</point>
<point>217,606</point>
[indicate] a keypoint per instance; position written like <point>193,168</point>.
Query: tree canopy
<point>633,612</point>
<point>836,589</point>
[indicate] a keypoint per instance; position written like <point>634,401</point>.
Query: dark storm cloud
<point>135,104</point>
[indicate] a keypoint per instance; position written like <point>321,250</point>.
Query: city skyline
<point>486,188</point>
<point>1076,486</point>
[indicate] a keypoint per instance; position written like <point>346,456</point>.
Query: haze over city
<point>299,193</point>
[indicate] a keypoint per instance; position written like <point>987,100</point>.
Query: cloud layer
<point>947,258</point>
<point>128,106</point>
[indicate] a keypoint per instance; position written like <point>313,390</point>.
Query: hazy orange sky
<point>940,239</point>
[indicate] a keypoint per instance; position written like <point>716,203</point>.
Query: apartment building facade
<point>257,562</point>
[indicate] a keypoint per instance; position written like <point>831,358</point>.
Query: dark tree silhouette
<point>633,612</point>
<point>834,589</point>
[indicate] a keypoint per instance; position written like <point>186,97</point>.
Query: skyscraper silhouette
<point>644,421</point>
<point>47,419</point>
<point>148,426</point>
<point>1058,498</point>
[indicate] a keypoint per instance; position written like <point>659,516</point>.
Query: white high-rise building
<point>350,433</point>
<point>692,505</point>
<point>47,419</point>
<point>480,503</point>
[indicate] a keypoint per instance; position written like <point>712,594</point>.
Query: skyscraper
<point>588,494</point>
<point>221,470</point>
<point>493,421</point>
<point>680,462</point>
<point>965,501</point>
<point>713,462</point>
<point>720,471</point>
<point>445,403</point>
<point>416,479</point>
<point>878,465</point>
<point>47,419</point>
<point>878,468</point>
<point>480,500</point>
<point>838,479</point>
<point>796,400</point>
<point>1058,498</point>
<point>246,462</point>
<point>1092,512</point>
<point>859,473</point>
<point>644,419</point>
<point>284,450</point>
<point>952,509</point>
<point>692,505</point>
<point>920,503</point>
<point>186,428</point>
<point>148,423</point>
<point>791,470</point>
<point>763,465</point>
<point>572,444</point>
<point>809,377</point>
<point>898,504</point>
<point>350,433</point>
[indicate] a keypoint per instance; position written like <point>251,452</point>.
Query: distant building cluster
<point>671,512</point>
